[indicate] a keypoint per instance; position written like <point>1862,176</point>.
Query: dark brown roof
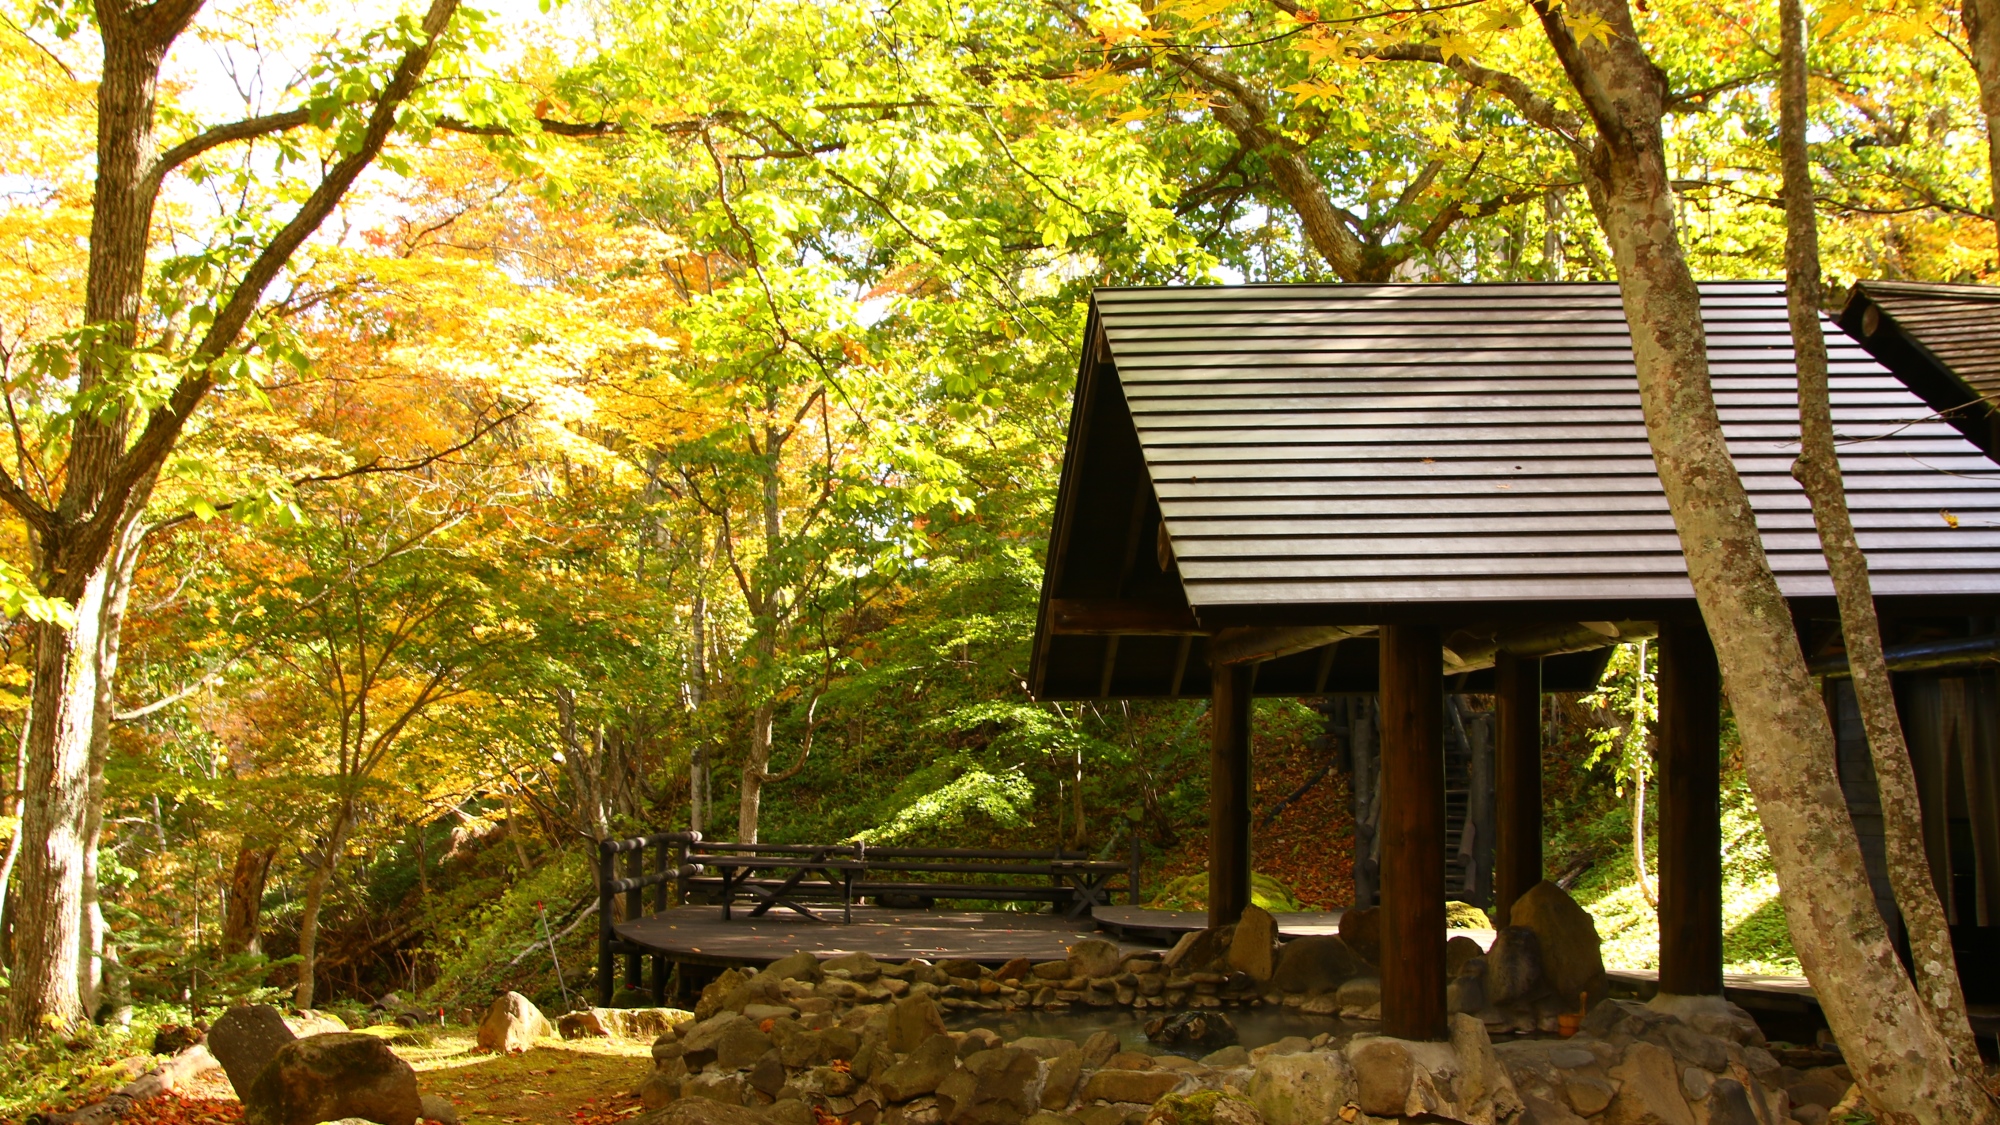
<point>1358,454</point>
<point>1943,339</point>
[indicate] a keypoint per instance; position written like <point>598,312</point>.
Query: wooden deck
<point>1164,927</point>
<point>697,934</point>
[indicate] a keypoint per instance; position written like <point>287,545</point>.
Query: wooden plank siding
<point>1454,453</point>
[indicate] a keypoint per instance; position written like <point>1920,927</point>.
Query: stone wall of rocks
<point>803,1042</point>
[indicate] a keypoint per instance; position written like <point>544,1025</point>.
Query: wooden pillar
<point>1690,788</point>
<point>1229,794</point>
<point>1517,705</point>
<point>1412,688</point>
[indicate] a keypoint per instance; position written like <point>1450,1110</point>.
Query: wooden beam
<point>1244,645</point>
<point>1545,640</point>
<point>1690,813</point>
<point>1108,616</point>
<point>1413,920</point>
<point>1229,794</point>
<point>1517,762</point>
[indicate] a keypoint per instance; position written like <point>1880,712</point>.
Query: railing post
<point>680,867</point>
<point>607,964</point>
<point>635,907</point>
<point>1134,876</point>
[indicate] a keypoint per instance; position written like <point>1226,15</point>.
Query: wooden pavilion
<point>1404,489</point>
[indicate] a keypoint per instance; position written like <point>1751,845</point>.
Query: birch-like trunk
<point>1982,33</point>
<point>1818,472</point>
<point>1896,1053</point>
<point>316,888</point>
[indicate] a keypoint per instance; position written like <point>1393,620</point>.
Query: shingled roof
<point>1942,340</point>
<point>1349,455</point>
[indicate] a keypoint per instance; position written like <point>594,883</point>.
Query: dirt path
<point>575,1082</point>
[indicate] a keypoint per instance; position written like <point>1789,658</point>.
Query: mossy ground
<point>1754,939</point>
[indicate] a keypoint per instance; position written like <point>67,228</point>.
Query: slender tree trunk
<point>123,568</point>
<point>1818,471</point>
<point>12,807</point>
<point>1982,32</point>
<point>242,930</point>
<point>755,767</point>
<point>316,888</point>
<point>1896,1053</point>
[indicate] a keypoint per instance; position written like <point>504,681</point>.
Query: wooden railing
<point>798,877</point>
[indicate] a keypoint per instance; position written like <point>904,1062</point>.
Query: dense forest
<point>658,422</point>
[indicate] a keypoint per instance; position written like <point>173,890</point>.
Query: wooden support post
<point>1690,790</point>
<point>1517,705</point>
<point>1413,921</point>
<point>1229,794</point>
<point>607,962</point>
<point>635,908</point>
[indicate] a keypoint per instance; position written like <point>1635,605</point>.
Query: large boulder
<point>1514,966</point>
<point>620,1023</point>
<point>1093,957</point>
<point>912,1020</point>
<point>1199,949</point>
<point>1362,931</point>
<point>1572,959</point>
<point>1318,963</point>
<point>1113,1085</point>
<point>1252,948</point>
<point>308,1021</point>
<point>996,1087</point>
<point>798,966</point>
<point>512,1024</point>
<point>245,1039</point>
<point>1649,1089</point>
<point>331,1077</point>
<point>1308,1088</point>
<point>919,1073</point>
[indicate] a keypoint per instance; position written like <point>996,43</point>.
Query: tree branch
<point>250,128</point>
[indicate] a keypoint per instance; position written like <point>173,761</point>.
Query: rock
<point>1649,1087</point>
<point>741,1045</point>
<point>1191,1029</point>
<point>716,995</point>
<point>928,1064</point>
<point>1383,1073</point>
<point>1098,1049</point>
<point>1093,957</point>
<point>1198,950</point>
<point>330,1077</point>
<point>1514,966</point>
<point>310,1021</point>
<point>1301,1089</point>
<point>1359,992</point>
<point>767,1074</point>
<point>789,1111</point>
<point>1458,951</point>
<point>999,1085</point>
<point>245,1039</point>
<point>797,966</point>
<point>859,966</point>
<point>1541,1111</point>
<point>1251,947</point>
<point>1060,1078</point>
<point>912,1020</point>
<point>1052,970</point>
<point>1203,1107</point>
<point>1319,963</point>
<point>722,1086</point>
<point>1362,931</point>
<point>1729,1104</point>
<point>1587,1093</point>
<point>1017,969</point>
<point>1483,1092</point>
<point>699,1111</point>
<point>1571,957</point>
<point>431,1107</point>
<point>1046,1046</point>
<point>512,1024</point>
<point>1705,1051</point>
<point>1129,1085</point>
<point>1227,1057</point>
<point>660,1087</point>
<point>1046,1117</point>
<point>1466,991</point>
<point>701,1043</point>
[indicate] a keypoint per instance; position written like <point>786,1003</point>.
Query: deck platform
<point>698,935</point>
<point>1164,927</point>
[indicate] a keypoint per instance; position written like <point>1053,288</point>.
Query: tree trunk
<point>1818,471</point>
<point>316,887</point>
<point>11,806</point>
<point>242,921</point>
<point>1897,1055</point>
<point>123,567</point>
<point>44,994</point>
<point>1982,33</point>
<point>754,767</point>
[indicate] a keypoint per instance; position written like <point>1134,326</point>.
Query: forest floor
<point>560,1082</point>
